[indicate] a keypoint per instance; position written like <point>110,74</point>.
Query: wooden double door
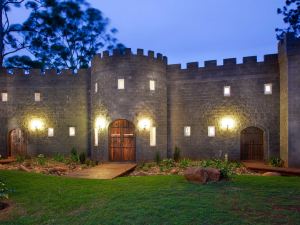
<point>252,144</point>
<point>16,143</point>
<point>121,141</point>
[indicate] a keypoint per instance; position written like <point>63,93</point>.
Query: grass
<point>41,199</point>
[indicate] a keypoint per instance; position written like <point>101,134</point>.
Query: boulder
<point>23,168</point>
<point>271,174</point>
<point>202,175</point>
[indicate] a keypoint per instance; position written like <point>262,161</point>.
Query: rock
<point>23,168</point>
<point>140,173</point>
<point>174,171</point>
<point>271,174</point>
<point>202,175</point>
<point>57,170</point>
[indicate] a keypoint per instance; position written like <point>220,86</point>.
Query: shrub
<point>82,157</point>
<point>166,164</point>
<point>226,168</point>
<point>74,155</point>
<point>276,162</point>
<point>3,190</point>
<point>20,158</point>
<point>184,163</point>
<point>59,157</point>
<point>41,159</point>
<point>176,155</point>
<point>157,157</point>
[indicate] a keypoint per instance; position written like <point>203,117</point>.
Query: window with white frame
<point>96,137</point>
<point>121,84</point>
<point>187,131</point>
<point>152,85</point>
<point>72,131</point>
<point>268,89</point>
<point>4,97</point>
<point>50,132</point>
<point>96,87</point>
<point>211,131</point>
<point>37,96</point>
<point>152,136</point>
<point>227,91</point>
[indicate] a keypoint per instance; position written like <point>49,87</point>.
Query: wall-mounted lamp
<point>227,123</point>
<point>144,124</point>
<point>36,125</point>
<point>100,123</point>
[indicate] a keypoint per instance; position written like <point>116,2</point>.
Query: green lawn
<point>41,199</point>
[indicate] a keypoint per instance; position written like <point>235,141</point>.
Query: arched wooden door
<point>121,141</point>
<point>252,144</point>
<point>16,143</point>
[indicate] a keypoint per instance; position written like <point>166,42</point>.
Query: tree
<point>9,41</point>
<point>291,17</point>
<point>64,34</point>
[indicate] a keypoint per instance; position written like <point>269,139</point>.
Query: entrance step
<point>8,160</point>
<point>105,171</point>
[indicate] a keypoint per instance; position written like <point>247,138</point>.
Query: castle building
<point>133,106</point>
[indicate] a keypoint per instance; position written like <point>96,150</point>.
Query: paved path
<point>104,171</point>
<point>260,166</point>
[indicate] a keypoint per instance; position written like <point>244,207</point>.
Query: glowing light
<point>36,124</point>
<point>144,124</point>
<point>211,131</point>
<point>227,123</point>
<point>100,122</point>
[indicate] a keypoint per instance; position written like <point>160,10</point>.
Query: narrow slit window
<point>268,89</point>
<point>72,131</point>
<point>121,84</point>
<point>153,136</point>
<point>4,97</point>
<point>37,97</point>
<point>227,91</point>
<point>152,85</point>
<point>187,131</point>
<point>96,138</point>
<point>50,132</point>
<point>96,87</point>
<point>211,131</point>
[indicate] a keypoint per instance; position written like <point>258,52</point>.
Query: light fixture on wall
<point>36,125</point>
<point>227,123</point>
<point>100,123</point>
<point>144,124</point>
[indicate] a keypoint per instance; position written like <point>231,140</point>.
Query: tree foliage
<point>64,34</point>
<point>291,17</point>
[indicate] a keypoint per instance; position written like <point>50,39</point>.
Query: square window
<point>153,136</point>
<point>121,84</point>
<point>152,85</point>
<point>211,131</point>
<point>227,91</point>
<point>187,131</point>
<point>50,132</point>
<point>71,131</point>
<point>96,87</point>
<point>37,97</point>
<point>268,89</point>
<point>4,97</point>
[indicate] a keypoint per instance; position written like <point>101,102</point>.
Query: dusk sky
<point>195,30</point>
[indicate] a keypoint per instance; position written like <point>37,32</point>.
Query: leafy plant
<point>226,168</point>
<point>157,157</point>
<point>3,190</point>
<point>41,159</point>
<point>20,158</point>
<point>176,155</point>
<point>82,157</point>
<point>166,164</point>
<point>59,157</point>
<point>184,163</point>
<point>74,155</point>
<point>276,162</point>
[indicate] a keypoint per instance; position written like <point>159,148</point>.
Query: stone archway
<point>121,141</point>
<point>252,144</point>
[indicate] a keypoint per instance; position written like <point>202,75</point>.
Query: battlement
<point>127,52</point>
<point>229,63</point>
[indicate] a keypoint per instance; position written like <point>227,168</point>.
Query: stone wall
<point>63,104</point>
<point>134,103</point>
<point>196,99</point>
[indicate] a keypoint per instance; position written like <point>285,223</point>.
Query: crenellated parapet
<point>250,65</point>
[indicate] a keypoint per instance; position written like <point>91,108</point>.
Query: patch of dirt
<point>7,208</point>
